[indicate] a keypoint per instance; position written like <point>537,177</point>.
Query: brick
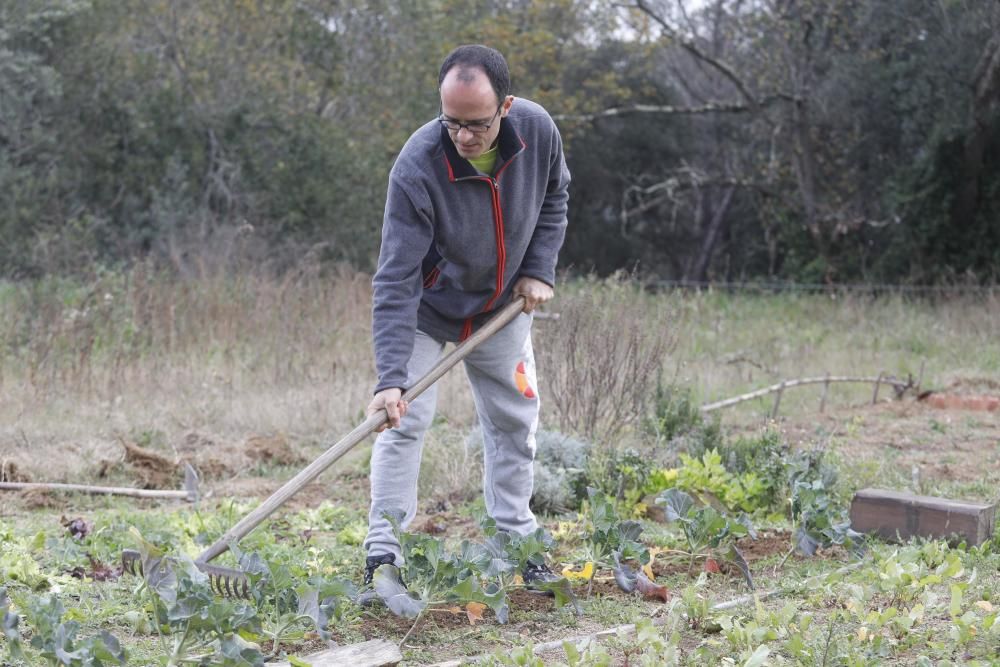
<point>894,515</point>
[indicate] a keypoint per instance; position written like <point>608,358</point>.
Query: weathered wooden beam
<point>373,653</point>
<point>189,493</point>
<point>894,515</point>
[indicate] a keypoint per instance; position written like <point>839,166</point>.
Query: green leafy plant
<point>288,609</point>
<point>708,532</point>
<point>54,639</point>
<point>560,469</point>
<point>9,620</point>
<point>475,574</point>
<point>195,627</point>
<point>613,543</point>
<point>744,491</point>
<point>511,554</point>
<point>622,475</point>
<point>820,520</point>
<point>435,576</point>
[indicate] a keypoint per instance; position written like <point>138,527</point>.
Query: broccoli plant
<point>55,639</point>
<point>613,543</point>
<point>436,577</point>
<point>819,520</point>
<point>288,610</point>
<point>194,626</point>
<point>476,575</point>
<point>709,533</point>
<point>511,554</point>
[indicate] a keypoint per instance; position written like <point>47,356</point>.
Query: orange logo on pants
<point>521,380</point>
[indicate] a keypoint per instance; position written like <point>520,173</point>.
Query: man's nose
<point>469,134</point>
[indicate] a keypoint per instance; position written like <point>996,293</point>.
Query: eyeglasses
<point>475,128</point>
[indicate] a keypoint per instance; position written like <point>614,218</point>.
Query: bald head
<point>473,59</point>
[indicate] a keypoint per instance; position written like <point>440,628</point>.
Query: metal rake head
<point>224,581</point>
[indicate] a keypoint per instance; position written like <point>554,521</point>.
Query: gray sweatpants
<point>501,372</point>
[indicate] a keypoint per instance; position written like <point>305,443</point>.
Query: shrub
<point>680,424</point>
<point>560,472</point>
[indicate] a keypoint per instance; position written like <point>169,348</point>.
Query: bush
<point>678,422</point>
<point>560,472</point>
<point>599,359</point>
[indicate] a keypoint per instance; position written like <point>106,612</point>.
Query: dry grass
<point>125,354</point>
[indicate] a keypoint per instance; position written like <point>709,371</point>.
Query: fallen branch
<point>628,629</point>
<point>899,385</point>
<point>188,493</point>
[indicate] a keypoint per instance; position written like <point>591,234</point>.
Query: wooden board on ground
<point>894,515</point>
<point>374,653</point>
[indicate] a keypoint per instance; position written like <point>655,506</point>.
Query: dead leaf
<point>583,575</point>
<point>433,526</point>
<point>78,528</point>
<point>102,572</point>
<point>650,589</point>
<point>648,567</point>
<point>474,610</point>
<point>711,565</point>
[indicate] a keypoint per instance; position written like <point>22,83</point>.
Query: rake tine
<point>132,562</point>
<point>223,581</point>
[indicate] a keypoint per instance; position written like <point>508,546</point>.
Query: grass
<point>84,362</point>
<point>197,369</point>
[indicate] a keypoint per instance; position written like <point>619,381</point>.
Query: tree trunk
<point>985,102</point>
<point>699,270</point>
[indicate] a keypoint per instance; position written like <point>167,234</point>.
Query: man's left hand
<point>535,292</point>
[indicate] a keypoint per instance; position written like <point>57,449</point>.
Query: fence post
<point>878,383</point>
<point>826,390</point>
<point>777,400</point>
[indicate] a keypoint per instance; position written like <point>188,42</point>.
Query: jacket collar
<point>509,144</point>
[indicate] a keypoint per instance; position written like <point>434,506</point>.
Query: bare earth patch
<point>945,444</point>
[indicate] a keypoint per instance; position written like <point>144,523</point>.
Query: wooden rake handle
<point>360,432</point>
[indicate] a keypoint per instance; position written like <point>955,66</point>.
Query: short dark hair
<point>489,60</point>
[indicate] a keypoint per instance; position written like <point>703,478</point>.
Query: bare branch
<point>715,107</point>
<point>688,44</point>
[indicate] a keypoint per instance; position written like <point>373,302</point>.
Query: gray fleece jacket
<point>454,240</point>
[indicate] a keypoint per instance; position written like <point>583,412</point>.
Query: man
<point>475,215</point>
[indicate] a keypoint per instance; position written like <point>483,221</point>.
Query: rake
<point>231,582</point>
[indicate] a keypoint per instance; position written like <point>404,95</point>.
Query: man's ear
<point>508,102</point>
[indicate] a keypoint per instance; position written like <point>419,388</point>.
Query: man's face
<point>468,97</point>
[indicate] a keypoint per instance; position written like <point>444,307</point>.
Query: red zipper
<point>494,184</point>
<point>432,278</point>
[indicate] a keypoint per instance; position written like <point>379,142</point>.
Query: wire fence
<point>988,291</point>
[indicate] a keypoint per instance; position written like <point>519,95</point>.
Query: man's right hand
<point>390,401</point>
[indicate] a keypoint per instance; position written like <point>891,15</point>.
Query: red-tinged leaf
<point>651,589</point>
<point>474,610</point>
<point>102,572</point>
<point>711,565</point>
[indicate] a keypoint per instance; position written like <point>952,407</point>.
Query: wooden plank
<point>373,653</point>
<point>894,515</point>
